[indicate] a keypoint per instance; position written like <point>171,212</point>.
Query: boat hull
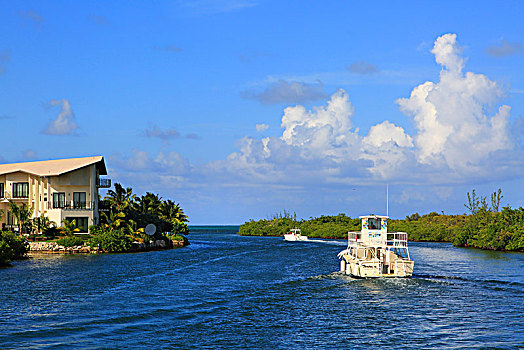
<point>361,268</point>
<point>294,238</point>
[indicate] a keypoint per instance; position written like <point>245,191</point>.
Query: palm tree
<point>148,204</point>
<point>42,223</point>
<point>69,227</point>
<point>114,219</point>
<point>171,211</point>
<point>121,198</point>
<point>22,214</point>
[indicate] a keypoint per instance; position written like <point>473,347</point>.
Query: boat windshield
<point>374,223</point>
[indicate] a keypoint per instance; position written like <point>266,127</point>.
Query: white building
<point>62,189</point>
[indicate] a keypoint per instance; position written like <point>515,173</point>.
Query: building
<point>62,190</point>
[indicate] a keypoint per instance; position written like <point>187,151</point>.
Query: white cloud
<point>453,128</point>
<point>461,136</point>
<point>141,161</point>
<point>262,127</point>
<point>64,124</point>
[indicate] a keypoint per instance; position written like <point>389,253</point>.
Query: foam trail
<point>327,242</point>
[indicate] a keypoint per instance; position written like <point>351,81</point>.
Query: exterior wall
<point>81,180</point>
<point>42,188</point>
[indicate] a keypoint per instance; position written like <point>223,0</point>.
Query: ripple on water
<point>227,291</point>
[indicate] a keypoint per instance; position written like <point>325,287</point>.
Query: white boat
<point>374,252</point>
<point>295,235</point>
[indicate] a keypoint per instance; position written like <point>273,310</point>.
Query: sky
<point>244,109</point>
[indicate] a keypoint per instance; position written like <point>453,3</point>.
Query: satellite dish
<point>150,229</point>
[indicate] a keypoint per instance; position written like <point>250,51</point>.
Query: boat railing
<point>354,236</point>
<point>397,239</point>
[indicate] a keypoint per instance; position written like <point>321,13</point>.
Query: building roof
<point>54,167</point>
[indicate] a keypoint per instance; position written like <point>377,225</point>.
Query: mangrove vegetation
<point>484,226</point>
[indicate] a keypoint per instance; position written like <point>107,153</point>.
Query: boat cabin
<point>374,230</point>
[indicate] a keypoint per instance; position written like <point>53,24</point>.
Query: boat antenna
<point>387,199</point>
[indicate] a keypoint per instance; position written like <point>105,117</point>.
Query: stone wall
<point>53,247</point>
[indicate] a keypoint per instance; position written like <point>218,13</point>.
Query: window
<point>79,200</point>
<point>59,200</point>
<point>374,224</point>
<point>80,223</point>
<point>21,190</point>
<point>2,190</point>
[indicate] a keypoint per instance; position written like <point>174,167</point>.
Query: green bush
<point>111,241</point>
<point>51,232</point>
<point>70,241</point>
<point>12,247</point>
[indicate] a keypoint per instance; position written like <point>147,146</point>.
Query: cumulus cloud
<point>147,165</point>
<point>460,133</point>
<point>363,67</point>
<point>64,124</point>
<point>262,127</point>
<point>287,92</point>
<point>505,48</point>
<point>453,128</point>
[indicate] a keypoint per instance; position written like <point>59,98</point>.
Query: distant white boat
<point>374,252</point>
<point>295,235</point>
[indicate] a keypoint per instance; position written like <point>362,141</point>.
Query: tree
<point>114,220</point>
<point>496,197</point>
<point>43,224</point>
<point>121,198</point>
<point>473,202</point>
<point>171,211</point>
<point>69,227</point>
<point>148,204</point>
<point>22,214</point>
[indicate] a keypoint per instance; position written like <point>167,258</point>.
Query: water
<point>227,291</point>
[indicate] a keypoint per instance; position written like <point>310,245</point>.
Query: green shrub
<point>51,232</point>
<point>111,241</point>
<point>12,247</point>
<point>6,253</point>
<point>70,241</point>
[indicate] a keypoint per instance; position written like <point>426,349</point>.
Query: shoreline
<point>42,247</point>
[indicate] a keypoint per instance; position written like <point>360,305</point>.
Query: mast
<point>387,200</point>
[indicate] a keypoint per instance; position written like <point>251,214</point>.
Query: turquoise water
<point>227,291</point>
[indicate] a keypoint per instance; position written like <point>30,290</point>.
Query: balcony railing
<point>72,205</point>
<point>9,195</point>
<point>103,183</point>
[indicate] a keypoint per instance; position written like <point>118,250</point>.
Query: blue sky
<point>239,109</point>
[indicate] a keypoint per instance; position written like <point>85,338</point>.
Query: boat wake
<point>491,283</point>
<point>337,243</point>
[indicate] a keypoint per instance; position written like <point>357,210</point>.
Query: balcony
<point>8,195</point>
<point>103,183</point>
<point>73,205</point>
